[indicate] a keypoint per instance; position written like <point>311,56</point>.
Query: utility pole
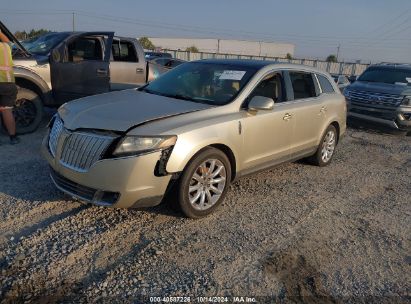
<point>338,51</point>
<point>218,46</point>
<point>73,22</point>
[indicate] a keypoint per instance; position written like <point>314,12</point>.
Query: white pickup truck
<point>58,67</point>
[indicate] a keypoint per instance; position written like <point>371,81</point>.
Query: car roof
<point>259,64</point>
<point>399,66</point>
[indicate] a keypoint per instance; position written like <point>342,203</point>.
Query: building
<point>224,46</point>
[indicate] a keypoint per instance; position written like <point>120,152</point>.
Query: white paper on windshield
<point>232,75</point>
<point>408,79</point>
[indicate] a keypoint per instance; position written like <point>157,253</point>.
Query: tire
<point>329,138</point>
<point>217,191</point>
<point>28,111</point>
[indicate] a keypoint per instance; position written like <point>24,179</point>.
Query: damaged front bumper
<point>127,182</point>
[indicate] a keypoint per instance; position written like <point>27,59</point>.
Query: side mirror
<point>258,103</point>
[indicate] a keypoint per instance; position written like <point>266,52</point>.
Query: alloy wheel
<point>207,184</point>
<point>328,146</point>
<point>24,112</point>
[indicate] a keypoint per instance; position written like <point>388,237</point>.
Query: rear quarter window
<point>325,84</point>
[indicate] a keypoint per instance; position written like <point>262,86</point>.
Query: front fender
<point>188,144</point>
<point>29,75</point>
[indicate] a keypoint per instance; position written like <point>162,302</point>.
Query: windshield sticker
<point>232,75</point>
<point>408,79</point>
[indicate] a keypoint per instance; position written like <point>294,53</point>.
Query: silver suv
<point>193,131</point>
<point>382,94</point>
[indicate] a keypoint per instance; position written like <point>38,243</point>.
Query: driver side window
<point>85,48</point>
<point>271,87</point>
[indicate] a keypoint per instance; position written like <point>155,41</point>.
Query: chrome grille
<point>55,134</point>
<point>374,98</point>
<point>81,150</point>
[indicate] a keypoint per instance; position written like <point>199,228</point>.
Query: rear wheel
<point>204,183</point>
<point>326,148</point>
<point>28,111</point>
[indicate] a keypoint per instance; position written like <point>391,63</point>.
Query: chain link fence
<point>345,68</point>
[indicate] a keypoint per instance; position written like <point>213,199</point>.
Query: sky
<point>366,30</point>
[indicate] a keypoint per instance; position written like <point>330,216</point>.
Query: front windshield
<point>391,76</point>
<point>43,44</point>
<point>210,83</point>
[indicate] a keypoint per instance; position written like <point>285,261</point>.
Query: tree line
<point>23,35</point>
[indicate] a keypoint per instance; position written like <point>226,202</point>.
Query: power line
<point>301,40</point>
<point>182,27</point>
<point>391,21</point>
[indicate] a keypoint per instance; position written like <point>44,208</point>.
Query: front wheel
<point>28,111</point>
<point>204,183</point>
<point>326,148</point>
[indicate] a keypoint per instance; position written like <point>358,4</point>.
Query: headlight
<point>406,101</point>
<point>132,145</point>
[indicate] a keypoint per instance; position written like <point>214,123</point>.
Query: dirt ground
<point>297,233</point>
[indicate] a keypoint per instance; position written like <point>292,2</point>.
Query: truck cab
<point>59,67</point>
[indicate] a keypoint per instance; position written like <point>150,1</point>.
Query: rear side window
<point>303,85</point>
<point>326,86</point>
<point>124,51</point>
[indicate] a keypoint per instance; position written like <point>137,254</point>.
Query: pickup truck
<point>58,67</point>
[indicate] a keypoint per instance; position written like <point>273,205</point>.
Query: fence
<point>345,68</point>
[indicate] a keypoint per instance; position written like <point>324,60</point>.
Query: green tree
<point>192,48</point>
<point>146,43</point>
<point>332,58</point>
<point>289,56</point>
<point>31,34</point>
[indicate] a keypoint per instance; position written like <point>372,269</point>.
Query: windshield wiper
<point>179,96</point>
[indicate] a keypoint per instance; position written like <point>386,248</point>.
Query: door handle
<point>287,116</point>
<point>101,72</point>
<point>139,70</point>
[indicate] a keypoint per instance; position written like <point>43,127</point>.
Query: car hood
<point>122,110</point>
<point>379,87</point>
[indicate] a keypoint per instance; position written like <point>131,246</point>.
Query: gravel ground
<point>295,233</point>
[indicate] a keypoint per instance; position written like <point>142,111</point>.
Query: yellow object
<point>6,63</point>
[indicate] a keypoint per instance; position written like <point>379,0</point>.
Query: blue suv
<point>382,94</point>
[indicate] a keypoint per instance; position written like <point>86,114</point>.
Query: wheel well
<point>227,151</point>
<point>27,84</point>
<point>337,127</point>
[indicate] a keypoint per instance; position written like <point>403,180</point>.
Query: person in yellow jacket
<point>8,88</point>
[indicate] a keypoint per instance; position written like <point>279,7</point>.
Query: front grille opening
<point>71,187</point>
<point>98,197</point>
<point>382,115</point>
<point>105,198</point>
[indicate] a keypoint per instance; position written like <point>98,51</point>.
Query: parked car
<point>382,94</point>
<point>59,67</point>
<point>193,131</point>
<point>167,63</point>
<point>152,55</point>
<point>341,81</point>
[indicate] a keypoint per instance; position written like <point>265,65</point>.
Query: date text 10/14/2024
<point>202,299</point>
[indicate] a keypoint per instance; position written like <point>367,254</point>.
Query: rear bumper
<point>128,182</point>
<point>398,118</point>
